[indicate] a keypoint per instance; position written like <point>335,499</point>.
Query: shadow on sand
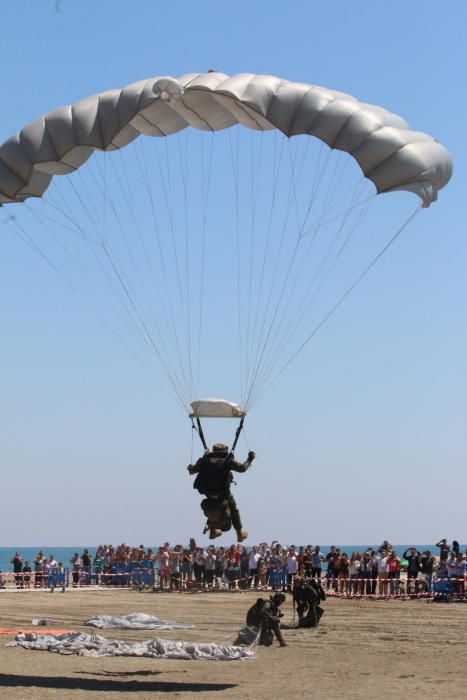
<point>10,680</point>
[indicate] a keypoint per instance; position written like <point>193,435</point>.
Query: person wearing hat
<point>214,478</point>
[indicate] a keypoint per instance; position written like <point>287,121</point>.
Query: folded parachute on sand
<point>134,621</point>
<point>93,645</point>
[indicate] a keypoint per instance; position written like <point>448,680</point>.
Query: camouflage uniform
<point>225,464</point>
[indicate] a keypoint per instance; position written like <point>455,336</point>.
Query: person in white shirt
<point>383,572</point>
<point>174,567</point>
<point>209,567</point>
<point>354,573</point>
<point>291,566</point>
<point>253,566</point>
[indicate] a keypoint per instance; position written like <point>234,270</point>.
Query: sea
<point>64,554</point>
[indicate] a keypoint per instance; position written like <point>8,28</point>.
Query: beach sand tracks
<point>405,647</point>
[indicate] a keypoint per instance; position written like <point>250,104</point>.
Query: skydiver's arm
<point>241,467</point>
<point>194,468</point>
<point>268,615</point>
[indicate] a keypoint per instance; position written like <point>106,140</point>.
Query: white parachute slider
<point>216,408</point>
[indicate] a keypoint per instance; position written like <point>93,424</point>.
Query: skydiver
<point>307,595</point>
<point>263,620</point>
<point>214,477</point>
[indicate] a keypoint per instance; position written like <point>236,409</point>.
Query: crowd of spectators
<point>44,566</point>
<point>374,572</point>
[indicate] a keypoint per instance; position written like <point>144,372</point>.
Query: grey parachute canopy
<point>130,231</point>
<point>389,153</point>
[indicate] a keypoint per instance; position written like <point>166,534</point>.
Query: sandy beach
<point>361,649</point>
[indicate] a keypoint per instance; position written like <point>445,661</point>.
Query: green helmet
<point>220,447</point>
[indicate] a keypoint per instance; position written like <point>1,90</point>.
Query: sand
<point>362,649</point>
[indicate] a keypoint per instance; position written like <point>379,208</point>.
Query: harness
<point>214,478</point>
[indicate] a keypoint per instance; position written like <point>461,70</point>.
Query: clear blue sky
<point>364,436</point>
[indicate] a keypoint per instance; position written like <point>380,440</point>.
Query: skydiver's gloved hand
<point>190,469</point>
<point>251,455</point>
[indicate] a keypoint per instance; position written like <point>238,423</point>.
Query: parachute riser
<point>237,434</point>
<point>199,429</point>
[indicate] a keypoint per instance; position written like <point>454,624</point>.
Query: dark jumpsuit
<point>265,614</point>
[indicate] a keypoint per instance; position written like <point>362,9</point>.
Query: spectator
<point>210,567</point>
<point>17,562</point>
<point>354,573</point>
<point>413,568</point>
<point>77,564</point>
<point>253,566</point>
<point>262,570</point>
<point>174,567</point>
<point>461,568</point>
<point>27,574</point>
<point>38,566</point>
<point>233,566</point>
<point>307,561</point>
<point>443,549</point>
<point>221,566</point>
<point>198,565</point>
<point>51,567</point>
<point>374,571</point>
<point>427,562</point>
<point>331,572</point>
<point>98,565</point>
<point>300,560</point>
<point>316,563</point>
<point>186,567</point>
<point>385,547</point>
<point>292,566</point>
<point>366,567</point>
<point>342,569</point>
<point>383,572</point>
<point>451,565</point>
<point>244,568</point>
<point>46,571</point>
<point>394,574</point>
<point>274,567</point>
<point>163,559</point>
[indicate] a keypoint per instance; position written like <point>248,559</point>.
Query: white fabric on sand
<point>84,644</point>
<point>135,621</point>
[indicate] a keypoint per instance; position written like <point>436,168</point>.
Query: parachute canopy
<point>218,251</point>
<point>216,408</point>
<point>390,155</point>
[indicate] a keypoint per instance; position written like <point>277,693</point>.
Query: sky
<point>363,436</point>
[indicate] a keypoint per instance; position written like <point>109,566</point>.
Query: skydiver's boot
<point>241,535</point>
<point>213,533</point>
<point>282,644</point>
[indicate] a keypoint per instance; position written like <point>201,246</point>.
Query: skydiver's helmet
<point>278,599</point>
<point>220,450</point>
